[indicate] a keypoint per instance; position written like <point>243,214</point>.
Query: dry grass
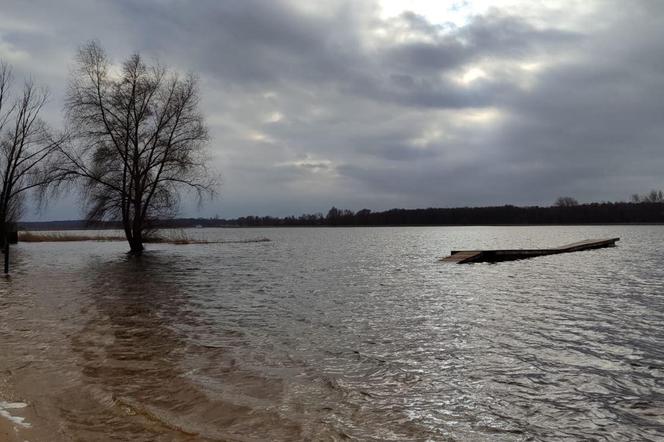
<point>64,237</point>
<point>173,237</point>
<point>178,239</point>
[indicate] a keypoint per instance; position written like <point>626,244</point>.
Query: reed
<point>64,237</point>
<point>177,238</point>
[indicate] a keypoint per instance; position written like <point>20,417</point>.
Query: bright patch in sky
<point>471,75</point>
<point>457,12</point>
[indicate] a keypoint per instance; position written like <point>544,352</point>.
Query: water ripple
<point>333,334</point>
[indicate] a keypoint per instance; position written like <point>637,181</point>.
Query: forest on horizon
<point>640,210</point>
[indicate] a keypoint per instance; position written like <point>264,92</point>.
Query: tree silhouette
<point>139,140</point>
<point>566,201</point>
<point>28,148</point>
<point>654,196</point>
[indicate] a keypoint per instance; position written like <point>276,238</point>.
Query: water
<point>333,334</point>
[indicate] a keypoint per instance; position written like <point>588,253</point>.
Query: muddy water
<point>329,334</point>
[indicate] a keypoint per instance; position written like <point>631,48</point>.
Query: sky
<point>385,103</point>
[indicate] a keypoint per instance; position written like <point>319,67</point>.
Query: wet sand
<point>11,432</point>
<point>8,433</point>
<point>15,423</point>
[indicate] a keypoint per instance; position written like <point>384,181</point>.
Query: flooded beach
<point>335,334</point>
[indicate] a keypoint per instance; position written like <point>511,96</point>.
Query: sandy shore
<point>10,432</point>
<point>19,419</point>
<point>16,423</point>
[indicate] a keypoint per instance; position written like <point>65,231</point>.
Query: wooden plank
<point>462,257</point>
<point>589,244</point>
<point>468,256</point>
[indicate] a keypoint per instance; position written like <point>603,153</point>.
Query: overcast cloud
<point>370,104</point>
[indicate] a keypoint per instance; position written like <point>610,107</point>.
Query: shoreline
<point>7,431</point>
<point>15,426</point>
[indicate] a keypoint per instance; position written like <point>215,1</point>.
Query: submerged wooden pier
<point>469,256</point>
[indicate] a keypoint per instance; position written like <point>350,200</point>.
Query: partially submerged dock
<point>469,256</point>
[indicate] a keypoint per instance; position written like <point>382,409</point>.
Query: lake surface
<point>333,334</point>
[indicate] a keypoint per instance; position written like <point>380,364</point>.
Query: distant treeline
<point>595,213</point>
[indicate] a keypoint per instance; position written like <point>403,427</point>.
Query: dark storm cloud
<point>596,121</point>
<point>493,35</point>
<point>319,103</point>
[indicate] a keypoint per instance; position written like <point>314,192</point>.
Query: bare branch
<point>28,148</point>
<point>138,138</point>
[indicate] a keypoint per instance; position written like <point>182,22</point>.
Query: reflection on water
<point>338,333</point>
<point>130,358</point>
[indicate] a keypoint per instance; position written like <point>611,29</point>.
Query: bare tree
<point>28,148</point>
<point>139,140</point>
<point>654,196</point>
<point>566,201</point>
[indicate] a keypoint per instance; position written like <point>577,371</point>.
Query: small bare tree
<point>654,196</point>
<point>566,201</point>
<point>139,140</point>
<point>29,157</point>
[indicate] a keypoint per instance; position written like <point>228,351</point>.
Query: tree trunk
<point>136,241</point>
<point>4,230</point>
<point>134,234</point>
